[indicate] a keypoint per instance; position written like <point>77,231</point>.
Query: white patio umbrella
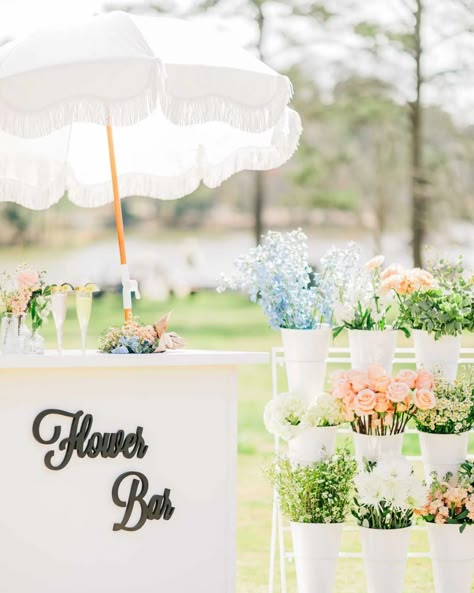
<point>176,106</point>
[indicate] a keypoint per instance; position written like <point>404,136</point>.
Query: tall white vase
<point>452,555</point>
<point>385,555</point>
<point>373,448</point>
<point>306,351</point>
<point>372,347</point>
<point>442,354</point>
<point>316,549</point>
<point>313,444</point>
<point>443,453</point>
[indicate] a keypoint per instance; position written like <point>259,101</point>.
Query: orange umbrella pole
<point>128,286</point>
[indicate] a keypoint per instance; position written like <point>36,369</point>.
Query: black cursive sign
<point>105,444</point>
<point>158,507</point>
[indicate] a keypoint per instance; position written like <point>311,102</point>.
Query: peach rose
<point>341,389</point>
<point>376,371</point>
<point>424,380</point>
<point>382,384</point>
<point>388,419</point>
<point>381,403</point>
<point>349,415</point>
<point>407,376</point>
<point>374,263</point>
<point>27,279</point>
<point>397,391</point>
<point>358,380</point>
<point>364,402</point>
<point>424,399</point>
<point>392,270</point>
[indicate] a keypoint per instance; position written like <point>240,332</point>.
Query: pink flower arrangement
<point>405,282</point>
<point>378,404</point>
<point>451,498</point>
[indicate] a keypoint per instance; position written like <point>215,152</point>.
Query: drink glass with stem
<point>59,310</point>
<point>83,310</point>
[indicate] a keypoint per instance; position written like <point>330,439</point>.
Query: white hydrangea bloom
<point>283,416</point>
<point>325,411</point>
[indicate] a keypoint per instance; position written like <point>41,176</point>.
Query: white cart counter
<point>119,472</point>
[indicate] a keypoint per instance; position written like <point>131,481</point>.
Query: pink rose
<point>375,372</point>
<point>424,380</point>
<point>393,270</point>
<point>381,384</point>
<point>358,380</point>
<point>341,389</point>
<point>407,376</point>
<point>424,399</point>
<point>397,391</point>
<point>27,279</point>
<point>364,402</point>
<point>382,404</point>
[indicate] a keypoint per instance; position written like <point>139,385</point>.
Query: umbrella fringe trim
<point>284,143</point>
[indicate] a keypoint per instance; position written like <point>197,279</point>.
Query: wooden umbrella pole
<point>127,296</point>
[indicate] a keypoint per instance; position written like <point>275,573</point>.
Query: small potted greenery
<point>387,495</point>
<point>436,306</point>
<point>316,498</point>
<point>449,513</point>
<point>444,429</point>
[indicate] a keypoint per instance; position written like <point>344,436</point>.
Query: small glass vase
<point>13,333</point>
<point>34,343</point>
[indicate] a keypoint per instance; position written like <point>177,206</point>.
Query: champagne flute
<point>59,310</point>
<point>83,310</point>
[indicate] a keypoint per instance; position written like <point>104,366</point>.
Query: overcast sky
<point>18,17</point>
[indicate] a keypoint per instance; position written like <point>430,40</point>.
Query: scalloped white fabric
<point>186,107</point>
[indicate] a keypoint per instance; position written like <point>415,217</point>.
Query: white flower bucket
<point>452,554</point>
<point>312,444</point>
<point>372,448</point>
<point>306,351</point>
<point>316,550</point>
<point>442,354</point>
<point>385,554</point>
<point>443,453</point>
<point>372,347</point>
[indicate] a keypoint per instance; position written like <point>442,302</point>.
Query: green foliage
<point>317,493</point>
<point>454,410</point>
<point>445,310</point>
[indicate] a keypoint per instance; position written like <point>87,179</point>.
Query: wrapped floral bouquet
<point>376,403</point>
<point>136,338</point>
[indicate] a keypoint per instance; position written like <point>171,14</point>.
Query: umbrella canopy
<point>186,107</point>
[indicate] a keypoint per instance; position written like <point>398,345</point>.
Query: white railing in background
<point>336,356</point>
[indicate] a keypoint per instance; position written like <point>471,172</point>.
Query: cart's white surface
<point>56,526</point>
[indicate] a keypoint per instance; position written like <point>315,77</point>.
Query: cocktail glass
<point>59,310</point>
<point>83,310</point>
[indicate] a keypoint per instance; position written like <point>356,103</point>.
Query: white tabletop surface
<point>185,357</point>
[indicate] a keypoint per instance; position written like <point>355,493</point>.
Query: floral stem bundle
<point>378,404</point>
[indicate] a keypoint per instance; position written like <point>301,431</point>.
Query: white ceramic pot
<point>316,550</point>
<point>306,351</point>
<point>385,554</point>
<point>452,555</point>
<point>443,453</point>
<point>312,444</point>
<point>372,347</point>
<point>442,354</point>
<point>372,448</point>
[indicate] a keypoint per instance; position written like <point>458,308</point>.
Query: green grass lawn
<point>229,322</point>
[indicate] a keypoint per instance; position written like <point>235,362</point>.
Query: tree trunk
<point>418,181</point>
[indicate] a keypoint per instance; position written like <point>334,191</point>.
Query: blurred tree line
<point>379,143</point>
